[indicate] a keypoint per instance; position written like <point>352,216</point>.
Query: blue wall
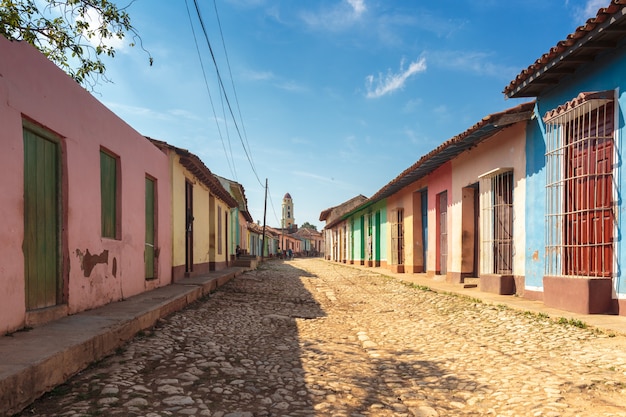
<point>607,72</point>
<point>535,204</point>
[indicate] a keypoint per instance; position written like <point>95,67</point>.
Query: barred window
<point>580,220</point>
<point>497,221</point>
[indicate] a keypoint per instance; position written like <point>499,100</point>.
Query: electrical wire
<point>273,209</point>
<point>221,83</point>
<point>232,79</point>
<point>206,83</point>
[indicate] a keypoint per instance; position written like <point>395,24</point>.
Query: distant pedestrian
<point>290,253</point>
<point>238,251</point>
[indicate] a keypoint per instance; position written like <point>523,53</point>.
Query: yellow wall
<point>413,244</point>
<point>220,258</point>
<point>178,211</point>
<point>204,224</point>
<point>201,235</point>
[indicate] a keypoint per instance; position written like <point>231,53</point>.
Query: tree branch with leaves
<point>74,34</point>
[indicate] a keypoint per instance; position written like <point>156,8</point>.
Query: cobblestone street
<point>312,338</point>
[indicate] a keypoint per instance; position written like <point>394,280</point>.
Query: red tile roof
<point>330,214</point>
<point>578,101</point>
<point>598,34</point>
<point>453,147</point>
<point>195,165</point>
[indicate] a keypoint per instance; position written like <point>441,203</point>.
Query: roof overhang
<point>453,147</point>
<point>445,152</point>
<point>604,32</point>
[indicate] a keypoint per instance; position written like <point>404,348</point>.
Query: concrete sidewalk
<point>35,361</point>
<point>605,322</point>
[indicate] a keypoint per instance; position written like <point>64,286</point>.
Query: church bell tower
<point>288,220</point>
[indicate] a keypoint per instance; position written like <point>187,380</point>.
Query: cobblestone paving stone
<point>313,338</point>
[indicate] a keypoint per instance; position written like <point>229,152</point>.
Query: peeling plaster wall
<point>33,88</point>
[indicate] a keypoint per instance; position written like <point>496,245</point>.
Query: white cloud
<point>592,7</point>
<point>581,13</point>
<point>383,85</point>
<point>258,75</point>
<point>471,61</point>
<point>358,6</point>
<point>276,81</point>
<point>322,179</point>
<point>93,18</point>
<point>337,18</point>
<point>291,86</point>
<point>149,113</point>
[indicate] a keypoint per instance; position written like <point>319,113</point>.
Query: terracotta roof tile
<point>597,34</point>
<point>451,148</point>
<point>195,165</point>
<point>578,101</point>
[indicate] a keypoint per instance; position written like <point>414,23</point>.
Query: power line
<point>206,83</point>
<point>274,210</point>
<point>232,79</point>
<point>221,83</point>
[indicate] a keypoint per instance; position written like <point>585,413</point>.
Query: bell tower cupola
<point>288,219</point>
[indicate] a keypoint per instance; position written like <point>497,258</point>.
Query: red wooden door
<point>589,197</point>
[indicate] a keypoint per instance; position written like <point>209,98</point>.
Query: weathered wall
<point>32,88</point>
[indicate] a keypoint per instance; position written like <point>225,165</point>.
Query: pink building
<point>85,198</point>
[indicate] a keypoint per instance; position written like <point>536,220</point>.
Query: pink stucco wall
<point>32,88</point>
<point>504,149</point>
<point>439,181</point>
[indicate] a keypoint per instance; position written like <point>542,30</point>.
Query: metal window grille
<point>496,202</point>
<point>580,220</point>
<point>397,237</point>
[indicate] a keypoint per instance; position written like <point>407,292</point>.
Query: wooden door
<point>149,259</point>
<point>377,239</point>
<point>476,216</point>
<point>397,237</point>
<point>42,214</point>
<point>443,233</point>
<point>188,227</point>
<point>424,203</point>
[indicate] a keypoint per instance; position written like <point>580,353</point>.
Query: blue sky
<point>331,98</point>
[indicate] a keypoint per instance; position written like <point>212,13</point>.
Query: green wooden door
<point>42,266</point>
<point>149,250</point>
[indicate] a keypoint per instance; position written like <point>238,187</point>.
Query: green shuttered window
<point>108,194</point>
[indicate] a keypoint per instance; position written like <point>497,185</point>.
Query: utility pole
<point>264,214</point>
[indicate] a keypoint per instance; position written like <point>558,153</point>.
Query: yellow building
<point>201,207</point>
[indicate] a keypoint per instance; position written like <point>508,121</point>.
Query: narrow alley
<point>313,338</point>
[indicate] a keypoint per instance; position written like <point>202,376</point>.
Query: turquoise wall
<point>607,72</point>
<point>360,232</point>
